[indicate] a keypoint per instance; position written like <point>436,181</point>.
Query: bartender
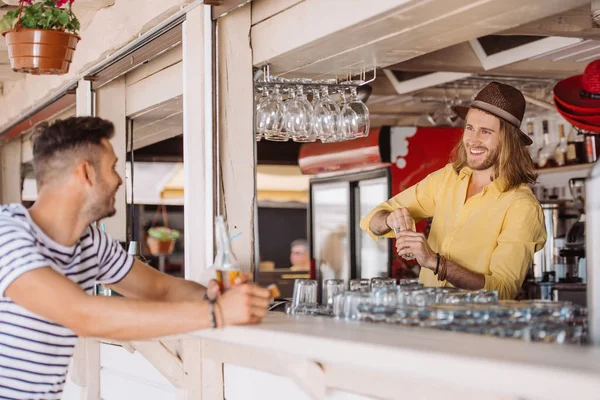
<point>487,224</point>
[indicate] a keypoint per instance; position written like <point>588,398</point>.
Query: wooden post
<point>110,105</point>
<point>10,157</point>
<point>198,143</point>
<point>85,367</point>
<point>236,138</point>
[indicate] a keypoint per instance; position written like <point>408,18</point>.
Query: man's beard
<point>488,162</point>
<point>102,206</point>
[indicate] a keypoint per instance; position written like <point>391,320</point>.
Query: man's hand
<point>408,242</point>
<point>213,290</point>
<point>400,220</point>
<point>241,305</point>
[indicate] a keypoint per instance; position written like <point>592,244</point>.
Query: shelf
<point>568,168</point>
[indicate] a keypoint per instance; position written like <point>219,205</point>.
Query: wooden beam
<point>191,352</point>
<point>111,105</point>
<point>166,362</point>
<point>264,9</point>
<point>573,23</point>
<point>347,32</point>
<point>236,138</point>
<point>198,143</point>
<point>155,89</point>
<point>10,162</point>
<point>85,371</point>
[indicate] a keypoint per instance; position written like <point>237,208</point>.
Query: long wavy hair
<point>514,163</point>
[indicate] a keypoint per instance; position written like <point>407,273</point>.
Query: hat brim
<point>582,112</point>
<point>578,123</point>
<point>567,91</point>
<point>462,112</point>
<point>587,119</point>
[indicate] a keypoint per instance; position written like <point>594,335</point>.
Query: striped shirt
<point>35,352</point>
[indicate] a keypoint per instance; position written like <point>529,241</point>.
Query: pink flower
<point>60,3</point>
<point>27,1</point>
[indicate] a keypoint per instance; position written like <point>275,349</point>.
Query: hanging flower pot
<point>41,37</point>
<point>161,239</point>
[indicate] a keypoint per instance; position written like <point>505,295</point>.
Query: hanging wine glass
<point>259,126</point>
<point>326,117</point>
<point>362,114</point>
<point>269,117</point>
<point>298,116</point>
<point>349,118</point>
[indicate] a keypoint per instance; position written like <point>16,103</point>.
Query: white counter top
<point>504,366</point>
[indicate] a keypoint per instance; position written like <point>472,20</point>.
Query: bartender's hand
<point>241,305</point>
<point>413,242</point>
<point>400,219</point>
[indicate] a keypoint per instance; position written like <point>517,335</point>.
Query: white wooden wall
<point>10,179</point>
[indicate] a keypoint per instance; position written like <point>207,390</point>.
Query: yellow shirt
<point>493,233</point>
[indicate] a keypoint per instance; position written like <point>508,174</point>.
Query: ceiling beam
<point>316,38</point>
<point>573,23</point>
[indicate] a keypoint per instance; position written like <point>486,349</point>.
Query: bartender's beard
<point>488,162</point>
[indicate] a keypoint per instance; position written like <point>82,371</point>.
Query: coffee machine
<point>571,285</point>
<point>556,268</point>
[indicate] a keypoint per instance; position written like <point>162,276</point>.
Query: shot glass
<point>331,287</point>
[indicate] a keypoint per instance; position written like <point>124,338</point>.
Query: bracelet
<point>445,269</point>
<point>437,264</point>
<point>213,319</point>
<point>442,272</point>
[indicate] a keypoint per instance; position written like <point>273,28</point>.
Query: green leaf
<point>63,18</point>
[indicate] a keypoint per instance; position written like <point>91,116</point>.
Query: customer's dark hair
<point>62,144</point>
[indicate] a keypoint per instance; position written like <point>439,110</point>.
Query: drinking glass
<point>362,113</point>
<point>338,305</point>
<point>352,303</point>
<point>385,297</point>
<point>298,116</point>
<point>305,293</point>
<point>269,117</point>
<point>331,287</point>
<point>397,230</point>
<point>382,282</point>
<point>326,116</point>
<point>360,285</point>
<point>408,282</point>
<point>260,123</point>
<point>349,120</point>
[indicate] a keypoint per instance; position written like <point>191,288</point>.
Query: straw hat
<point>503,101</point>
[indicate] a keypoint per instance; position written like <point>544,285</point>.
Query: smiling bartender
<point>487,223</point>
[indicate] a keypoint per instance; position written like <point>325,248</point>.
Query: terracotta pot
<point>40,51</point>
<point>157,246</point>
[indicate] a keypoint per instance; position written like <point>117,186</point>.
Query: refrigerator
<point>339,248</point>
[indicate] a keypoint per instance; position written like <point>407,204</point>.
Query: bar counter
<point>304,357</point>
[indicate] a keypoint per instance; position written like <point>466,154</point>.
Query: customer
<point>487,224</point>
<point>299,256</point>
<point>52,255</point>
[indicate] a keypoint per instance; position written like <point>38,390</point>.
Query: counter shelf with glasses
<point>409,303</point>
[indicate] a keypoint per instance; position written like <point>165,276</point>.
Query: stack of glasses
<point>408,303</point>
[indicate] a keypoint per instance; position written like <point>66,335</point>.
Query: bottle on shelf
<point>560,153</point>
<point>533,150</point>
<point>546,152</point>
<point>576,151</point>
<point>226,266</point>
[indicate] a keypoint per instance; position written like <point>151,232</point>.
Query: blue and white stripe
<point>34,352</point>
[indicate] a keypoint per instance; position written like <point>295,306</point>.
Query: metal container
<point>559,216</point>
<point>592,242</point>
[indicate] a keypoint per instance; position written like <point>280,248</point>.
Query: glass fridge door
<point>373,256</point>
<point>330,210</point>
